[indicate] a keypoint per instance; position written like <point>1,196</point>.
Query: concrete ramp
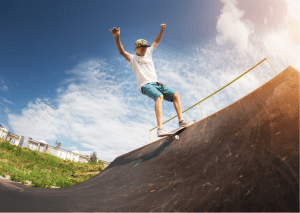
<point>243,158</point>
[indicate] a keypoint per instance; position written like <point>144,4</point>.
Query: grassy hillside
<point>42,170</point>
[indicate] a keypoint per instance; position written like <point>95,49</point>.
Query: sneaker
<point>161,131</point>
<point>184,123</point>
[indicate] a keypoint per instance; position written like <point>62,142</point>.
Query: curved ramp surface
<point>243,158</point>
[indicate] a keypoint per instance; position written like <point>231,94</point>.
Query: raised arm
<point>116,34</point>
<point>158,37</point>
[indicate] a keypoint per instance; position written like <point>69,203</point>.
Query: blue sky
<point>62,78</point>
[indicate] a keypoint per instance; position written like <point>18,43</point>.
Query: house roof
<point>13,135</point>
<point>42,141</point>
<point>4,129</point>
<point>76,152</point>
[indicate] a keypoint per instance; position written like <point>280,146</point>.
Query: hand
<point>115,32</point>
<point>163,26</point>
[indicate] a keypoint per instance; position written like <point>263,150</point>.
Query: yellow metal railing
<point>215,93</point>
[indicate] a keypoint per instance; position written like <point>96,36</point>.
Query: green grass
<point>43,170</point>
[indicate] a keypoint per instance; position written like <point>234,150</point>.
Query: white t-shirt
<point>143,68</point>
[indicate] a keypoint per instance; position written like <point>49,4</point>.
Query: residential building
<point>43,146</point>
<point>10,137</point>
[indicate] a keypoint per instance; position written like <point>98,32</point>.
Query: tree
<point>93,157</point>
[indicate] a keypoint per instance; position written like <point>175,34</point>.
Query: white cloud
<point>6,110</point>
<point>231,28</point>
<point>92,110</point>
<point>3,87</point>
<point>6,101</point>
<point>280,44</point>
<point>293,20</point>
<point>271,12</point>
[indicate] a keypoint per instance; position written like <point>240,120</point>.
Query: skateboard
<point>173,132</point>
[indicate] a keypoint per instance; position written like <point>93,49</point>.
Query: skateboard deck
<point>173,132</point>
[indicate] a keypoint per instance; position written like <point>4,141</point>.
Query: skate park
<point>244,157</point>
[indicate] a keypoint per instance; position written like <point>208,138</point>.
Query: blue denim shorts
<point>154,90</point>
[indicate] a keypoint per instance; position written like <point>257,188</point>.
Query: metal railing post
<point>271,65</point>
<point>201,110</point>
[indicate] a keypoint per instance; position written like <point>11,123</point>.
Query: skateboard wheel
<point>176,136</point>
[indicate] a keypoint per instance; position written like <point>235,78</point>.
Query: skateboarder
<point>143,67</point>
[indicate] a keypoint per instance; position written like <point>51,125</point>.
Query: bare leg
<point>177,106</point>
<point>158,110</point>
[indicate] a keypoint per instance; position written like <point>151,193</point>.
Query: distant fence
<point>215,93</point>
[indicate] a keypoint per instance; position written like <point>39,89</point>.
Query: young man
<point>143,67</point>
